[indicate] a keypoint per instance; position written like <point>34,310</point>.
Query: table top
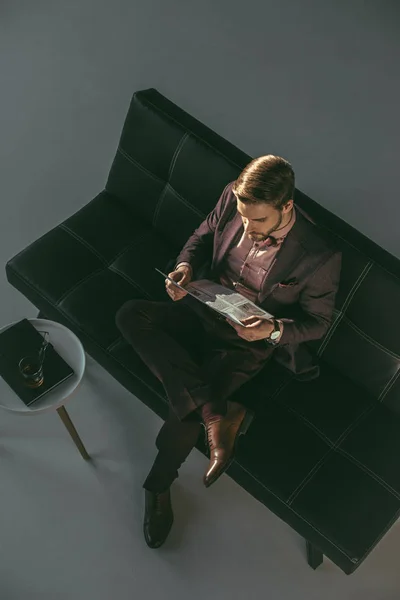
<point>70,348</point>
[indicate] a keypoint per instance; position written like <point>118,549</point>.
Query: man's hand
<point>253,328</point>
<point>182,275</point>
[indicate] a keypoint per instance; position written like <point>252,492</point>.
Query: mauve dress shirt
<point>251,261</point>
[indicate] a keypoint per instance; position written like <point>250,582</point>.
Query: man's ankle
<point>155,489</point>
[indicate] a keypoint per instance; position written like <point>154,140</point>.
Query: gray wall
<point>315,81</point>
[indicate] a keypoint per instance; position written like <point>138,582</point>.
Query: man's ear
<point>289,205</point>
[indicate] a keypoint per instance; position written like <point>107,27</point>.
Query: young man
<point>259,243</point>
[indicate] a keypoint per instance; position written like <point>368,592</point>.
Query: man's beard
<point>261,237</point>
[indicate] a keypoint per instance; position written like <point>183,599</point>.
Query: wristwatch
<point>275,333</point>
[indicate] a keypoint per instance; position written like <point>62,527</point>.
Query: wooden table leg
<point>64,416</point>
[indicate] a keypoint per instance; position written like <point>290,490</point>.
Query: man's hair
<point>268,179</point>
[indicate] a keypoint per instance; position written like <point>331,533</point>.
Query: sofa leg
<point>314,555</point>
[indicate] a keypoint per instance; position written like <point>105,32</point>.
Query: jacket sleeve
<point>187,264</point>
<point>316,301</point>
<point>199,247</point>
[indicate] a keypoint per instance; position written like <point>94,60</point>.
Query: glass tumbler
<point>31,366</point>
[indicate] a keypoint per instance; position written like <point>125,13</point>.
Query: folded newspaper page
<point>221,299</point>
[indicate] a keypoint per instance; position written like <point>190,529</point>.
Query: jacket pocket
<point>287,284</point>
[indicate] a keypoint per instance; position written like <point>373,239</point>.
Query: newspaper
<point>221,299</point>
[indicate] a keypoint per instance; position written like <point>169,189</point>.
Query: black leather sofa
<point>323,455</point>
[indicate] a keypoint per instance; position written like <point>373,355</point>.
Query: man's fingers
<point>175,294</point>
<point>255,324</point>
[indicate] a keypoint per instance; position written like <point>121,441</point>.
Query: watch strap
<point>268,340</point>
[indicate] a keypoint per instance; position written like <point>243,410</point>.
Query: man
<point>259,243</point>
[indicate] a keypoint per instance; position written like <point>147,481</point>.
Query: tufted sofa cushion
<point>323,455</point>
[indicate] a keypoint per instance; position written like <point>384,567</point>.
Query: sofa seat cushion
<point>322,449</point>
<point>93,262</point>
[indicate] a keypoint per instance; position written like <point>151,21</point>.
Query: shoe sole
<point>244,426</point>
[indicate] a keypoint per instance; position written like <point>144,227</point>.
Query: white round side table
<point>71,350</point>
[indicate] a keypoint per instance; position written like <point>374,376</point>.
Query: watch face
<point>275,334</point>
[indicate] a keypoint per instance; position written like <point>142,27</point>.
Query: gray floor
<point>71,530</point>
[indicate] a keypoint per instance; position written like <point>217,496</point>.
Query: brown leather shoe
<point>158,517</point>
<point>222,435</point>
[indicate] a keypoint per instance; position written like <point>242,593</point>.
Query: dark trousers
<point>199,358</point>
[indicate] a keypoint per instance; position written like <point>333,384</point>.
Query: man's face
<point>261,219</point>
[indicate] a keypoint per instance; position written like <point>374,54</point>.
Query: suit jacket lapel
<point>229,236</point>
<point>290,254</point>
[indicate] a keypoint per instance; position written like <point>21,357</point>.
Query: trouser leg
<point>175,441</point>
<point>160,332</point>
<point>169,338</point>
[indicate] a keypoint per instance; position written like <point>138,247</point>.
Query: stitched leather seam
<point>158,179</point>
<point>342,451</point>
<point>309,424</point>
<point>343,552</point>
<point>77,285</point>
<point>170,171</point>
<point>359,252</point>
<point>370,339</point>
<point>130,159</point>
<point>82,241</point>
<point>136,285</point>
<point>216,150</point>
<point>337,314</point>
<point>42,237</point>
<point>309,476</point>
<point>95,272</point>
<point>389,386</point>
<point>319,464</point>
<point>369,472</point>
<point>297,513</point>
<point>346,303</point>
<point>281,387</point>
<point>115,343</point>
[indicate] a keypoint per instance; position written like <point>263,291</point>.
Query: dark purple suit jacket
<point>306,258</point>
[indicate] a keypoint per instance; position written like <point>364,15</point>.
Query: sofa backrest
<point>170,170</point>
<point>363,342</point>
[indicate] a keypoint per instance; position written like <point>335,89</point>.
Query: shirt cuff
<point>185,263</point>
